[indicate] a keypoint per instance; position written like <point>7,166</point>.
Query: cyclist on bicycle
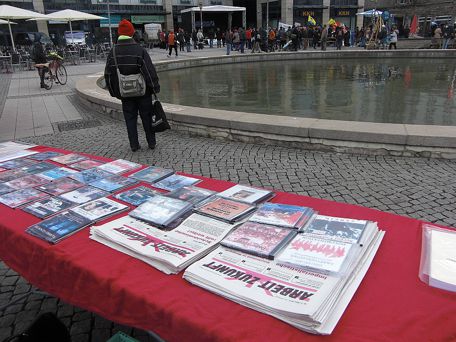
<point>39,57</point>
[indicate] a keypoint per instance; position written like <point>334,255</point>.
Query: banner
<point>284,26</point>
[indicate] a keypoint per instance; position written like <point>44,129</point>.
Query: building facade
<point>167,12</point>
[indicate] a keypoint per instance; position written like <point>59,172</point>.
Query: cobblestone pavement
<point>415,187</point>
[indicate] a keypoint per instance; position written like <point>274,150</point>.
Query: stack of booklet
<point>288,289</point>
<point>170,252</point>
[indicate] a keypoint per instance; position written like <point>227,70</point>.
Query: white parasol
<point>10,12</point>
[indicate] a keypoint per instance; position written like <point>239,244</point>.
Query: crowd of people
<point>294,38</point>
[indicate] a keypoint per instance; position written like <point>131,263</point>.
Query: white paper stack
<point>170,252</point>
<point>310,301</point>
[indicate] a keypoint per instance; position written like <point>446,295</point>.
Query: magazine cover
<point>281,214</point>
<point>58,227</point>
<point>119,166</point>
<point>246,194</point>
<point>174,182</point>
<point>225,209</point>
<point>160,210</point>
<point>58,172</point>
<point>44,155</point>
<point>316,253</point>
<point>10,175</point>
<point>17,198</point>
<point>47,207</point>
<point>85,194</point>
<point>17,163</point>
<point>342,229</point>
<point>90,175</point>
<point>113,183</point>
<point>191,194</point>
<point>70,158</point>
<point>60,186</point>
<point>29,181</point>
<point>151,174</point>
<point>99,208</point>
<point>259,239</point>
<point>137,196</point>
<point>86,164</point>
<point>38,167</point>
<point>5,189</point>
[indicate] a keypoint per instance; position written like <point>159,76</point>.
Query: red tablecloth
<point>390,304</point>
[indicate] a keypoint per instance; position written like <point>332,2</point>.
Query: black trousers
<point>131,107</point>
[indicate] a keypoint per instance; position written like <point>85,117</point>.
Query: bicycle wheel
<point>61,75</point>
<point>48,79</point>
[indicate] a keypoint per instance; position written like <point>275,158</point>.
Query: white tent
<point>10,12</point>
<point>69,15</point>
<point>6,22</point>
<point>217,8</point>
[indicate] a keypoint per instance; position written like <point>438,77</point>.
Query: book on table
<point>60,186</point>
<point>10,175</point>
<point>17,163</point>
<point>29,181</point>
<point>311,301</point>
<point>98,209</point>
<point>70,158</point>
<point>45,155</point>
<point>191,194</point>
<point>37,167</point>
<point>84,194</point>
<point>86,164</point>
<point>17,198</point>
<point>151,174</point>
<point>58,227</point>
<point>136,196</point>
<point>5,189</point>
<point>225,209</point>
<point>119,166</point>
<point>284,215</point>
<point>175,182</point>
<point>259,239</point>
<point>90,175</point>
<point>247,194</point>
<point>170,252</point>
<point>160,210</point>
<point>58,172</point>
<point>47,207</point>
<point>113,183</point>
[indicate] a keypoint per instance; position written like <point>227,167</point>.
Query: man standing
<point>324,37</point>
<point>172,43</point>
<point>131,58</point>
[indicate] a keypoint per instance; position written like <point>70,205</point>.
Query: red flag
<point>414,25</point>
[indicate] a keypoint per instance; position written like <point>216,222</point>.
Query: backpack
<point>132,85</point>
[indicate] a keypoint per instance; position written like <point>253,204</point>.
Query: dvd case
<point>90,175</point>
<point>225,209</point>
<point>136,196</point>
<point>67,159</point>
<point>283,215</point>
<point>99,209</point>
<point>151,174</point>
<point>191,194</point>
<point>113,183</point>
<point>86,164</point>
<point>119,166</point>
<point>247,194</point>
<point>19,197</point>
<point>60,186</point>
<point>83,195</point>
<point>47,207</point>
<point>44,155</point>
<point>175,182</point>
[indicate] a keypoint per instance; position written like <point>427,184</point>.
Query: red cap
<point>126,28</point>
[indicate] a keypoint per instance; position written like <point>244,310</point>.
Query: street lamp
<point>109,21</point>
<point>200,4</point>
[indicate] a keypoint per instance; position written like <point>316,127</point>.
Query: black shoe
<point>42,85</point>
<point>134,149</point>
<point>152,146</point>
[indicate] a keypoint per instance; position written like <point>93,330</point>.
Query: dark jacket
<point>38,55</point>
<point>131,59</point>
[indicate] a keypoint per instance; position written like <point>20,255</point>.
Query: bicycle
<point>54,71</point>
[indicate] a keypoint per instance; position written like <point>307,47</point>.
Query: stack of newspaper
<point>309,300</point>
<point>170,252</point>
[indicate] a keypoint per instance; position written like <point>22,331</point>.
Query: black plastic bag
<point>159,121</point>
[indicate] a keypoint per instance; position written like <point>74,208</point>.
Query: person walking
<point>172,43</point>
<point>131,59</point>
